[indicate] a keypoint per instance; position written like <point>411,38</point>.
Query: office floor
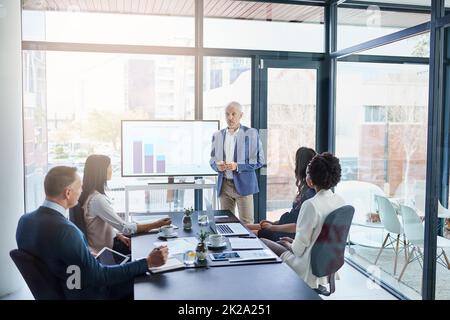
<point>351,286</point>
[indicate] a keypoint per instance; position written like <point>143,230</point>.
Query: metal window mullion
<point>446,132</point>
<point>381,41</point>
<point>198,60</point>
<point>198,91</point>
<point>325,123</point>
<point>434,150</point>
<point>259,121</point>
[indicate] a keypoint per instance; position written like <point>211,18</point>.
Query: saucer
<point>173,235</point>
<point>221,245</point>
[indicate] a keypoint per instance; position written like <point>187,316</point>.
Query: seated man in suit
<point>48,235</point>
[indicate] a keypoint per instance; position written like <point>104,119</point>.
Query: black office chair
<point>43,285</point>
<point>327,254</point>
<point>76,216</point>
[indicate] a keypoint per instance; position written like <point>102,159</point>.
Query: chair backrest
<point>412,225</point>
<point>443,212</point>
<point>76,215</point>
<point>43,284</point>
<point>327,254</point>
<point>388,215</point>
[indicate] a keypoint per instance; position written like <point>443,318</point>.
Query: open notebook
<point>171,264</point>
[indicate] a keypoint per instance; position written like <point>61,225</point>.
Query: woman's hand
<point>286,242</point>
<point>287,239</point>
<point>265,224</point>
<point>163,222</point>
<point>124,239</point>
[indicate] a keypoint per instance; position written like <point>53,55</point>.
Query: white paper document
<point>148,218</point>
<point>254,255</point>
<point>179,245</point>
<point>245,243</point>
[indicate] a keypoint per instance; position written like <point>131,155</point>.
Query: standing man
<point>236,154</point>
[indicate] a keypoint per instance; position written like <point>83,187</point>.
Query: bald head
<point>234,105</point>
<point>233,114</point>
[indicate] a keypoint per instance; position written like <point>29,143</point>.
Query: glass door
<point>288,100</point>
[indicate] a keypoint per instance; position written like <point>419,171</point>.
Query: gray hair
<point>234,104</point>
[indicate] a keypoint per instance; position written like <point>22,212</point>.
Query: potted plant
<point>202,250</point>
<point>187,219</point>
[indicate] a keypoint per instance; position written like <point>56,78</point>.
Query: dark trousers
<point>121,247</point>
<point>274,235</point>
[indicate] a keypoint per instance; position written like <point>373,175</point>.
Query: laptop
<point>225,229</point>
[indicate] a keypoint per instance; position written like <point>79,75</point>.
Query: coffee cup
<point>216,240</point>
<point>167,230</point>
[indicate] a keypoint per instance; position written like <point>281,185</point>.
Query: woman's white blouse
<point>309,225</point>
<point>100,218</point>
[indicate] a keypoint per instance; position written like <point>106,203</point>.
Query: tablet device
<point>109,257</point>
<point>223,256</point>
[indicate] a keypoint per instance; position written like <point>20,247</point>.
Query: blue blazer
<point>58,243</point>
<point>248,154</point>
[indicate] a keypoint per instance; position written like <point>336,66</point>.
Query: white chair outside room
<point>392,225</point>
<point>414,231</point>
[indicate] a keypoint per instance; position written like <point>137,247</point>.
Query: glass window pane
<point>360,25</point>
<point>264,26</point>
<point>226,79</point>
<point>291,123</point>
<point>382,148</point>
<point>35,127</point>
<point>163,23</point>
<point>78,100</point>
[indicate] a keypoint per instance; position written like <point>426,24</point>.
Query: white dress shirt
<point>57,207</point>
<point>230,143</point>
<point>309,225</point>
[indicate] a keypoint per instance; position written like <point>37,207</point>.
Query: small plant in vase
<point>187,219</point>
<point>202,250</point>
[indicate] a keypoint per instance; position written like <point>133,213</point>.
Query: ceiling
<point>230,9</point>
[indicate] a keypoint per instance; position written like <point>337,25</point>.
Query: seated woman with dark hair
<point>322,174</point>
<point>104,227</point>
<point>285,226</point>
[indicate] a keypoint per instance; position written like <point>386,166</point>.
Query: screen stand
<point>171,197</point>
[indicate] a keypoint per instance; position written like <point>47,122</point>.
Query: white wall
<point>11,141</point>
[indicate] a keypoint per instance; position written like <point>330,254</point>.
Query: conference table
<point>255,280</point>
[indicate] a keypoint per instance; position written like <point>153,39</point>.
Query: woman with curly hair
<point>322,174</point>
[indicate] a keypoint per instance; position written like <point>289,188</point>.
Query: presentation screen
<point>167,148</point>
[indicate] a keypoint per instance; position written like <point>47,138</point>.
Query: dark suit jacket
<point>59,244</point>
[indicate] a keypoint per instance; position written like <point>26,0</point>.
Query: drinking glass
<point>189,258</point>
